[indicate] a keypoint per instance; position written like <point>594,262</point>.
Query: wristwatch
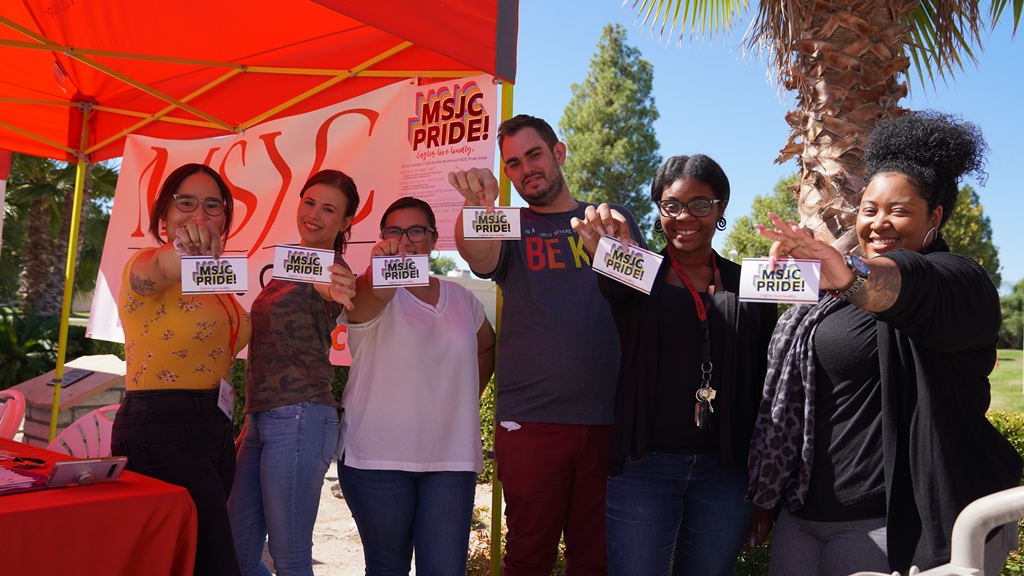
<point>861,271</point>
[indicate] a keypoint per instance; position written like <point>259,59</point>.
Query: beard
<point>547,195</point>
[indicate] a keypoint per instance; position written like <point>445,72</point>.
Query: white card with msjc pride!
<point>502,223</point>
<point>791,281</point>
<point>301,264</point>
<point>209,275</point>
<point>630,265</point>
<point>408,270</point>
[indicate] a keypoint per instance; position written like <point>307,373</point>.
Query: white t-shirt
<point>412,398</point>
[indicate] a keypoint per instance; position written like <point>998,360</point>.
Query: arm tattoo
<point>141,285</point>
<point>881,290</point>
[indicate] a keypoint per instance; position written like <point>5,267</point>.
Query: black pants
<point>182,438</point>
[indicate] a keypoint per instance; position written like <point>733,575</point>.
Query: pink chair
<point>89,436</point>
<point>12,410</point>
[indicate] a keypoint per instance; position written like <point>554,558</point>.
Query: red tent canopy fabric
<point>209,67</point>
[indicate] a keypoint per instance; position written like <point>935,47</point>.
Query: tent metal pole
<point>324,86</point>
<point>504,199</point>
<point>28,134</point>
<point>160,116</point>
<point>69,272</point>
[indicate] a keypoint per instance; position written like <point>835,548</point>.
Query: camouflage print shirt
<point>289,353</point>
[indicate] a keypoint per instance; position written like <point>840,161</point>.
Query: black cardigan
<point>936,348</point>
<point>749,329</point>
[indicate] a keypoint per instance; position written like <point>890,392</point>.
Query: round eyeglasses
<point>698,207</point>
<point>415,233</point>
<point>189,203</point>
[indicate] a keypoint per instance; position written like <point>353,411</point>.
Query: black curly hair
<point>933,150</point>
<point>697,167</point>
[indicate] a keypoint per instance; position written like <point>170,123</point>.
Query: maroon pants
<point>554,479</point>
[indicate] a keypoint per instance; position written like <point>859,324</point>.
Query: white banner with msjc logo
<point>400,140</point>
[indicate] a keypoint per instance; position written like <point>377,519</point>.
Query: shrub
<point>28,346</point>
<point>1011,426</point>
<point>487,432</point>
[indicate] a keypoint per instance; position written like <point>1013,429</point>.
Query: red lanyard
<point>233,329</point>
<point>702,313</point>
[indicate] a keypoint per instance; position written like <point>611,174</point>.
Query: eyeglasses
<point>698,207</point>
<point>415,233</point>
<point>189,203</point>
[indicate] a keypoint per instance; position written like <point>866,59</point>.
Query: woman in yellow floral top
<point>179,348</point>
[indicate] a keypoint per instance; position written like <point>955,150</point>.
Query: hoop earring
<point>431,255</point>
<point>934,232</point>
<point>720,225</point>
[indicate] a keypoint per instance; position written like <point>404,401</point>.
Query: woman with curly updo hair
<point>872,436</point>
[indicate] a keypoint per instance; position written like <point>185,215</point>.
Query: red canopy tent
<point>77,76</point>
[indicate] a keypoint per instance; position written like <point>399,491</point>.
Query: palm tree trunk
<point>846,70</point>
<point>39,262</point>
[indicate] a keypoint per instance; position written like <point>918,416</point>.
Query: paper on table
<point>12,479</point>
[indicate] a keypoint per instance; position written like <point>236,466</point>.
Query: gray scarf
<point>782,446</point>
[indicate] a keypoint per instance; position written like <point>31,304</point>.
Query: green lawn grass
<point>1008,381</point>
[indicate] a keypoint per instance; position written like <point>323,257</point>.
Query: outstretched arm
<point>480,188</point>
<point>883,283</point>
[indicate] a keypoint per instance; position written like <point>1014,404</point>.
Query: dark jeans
<point>182,438</point>
<point>678,514</point>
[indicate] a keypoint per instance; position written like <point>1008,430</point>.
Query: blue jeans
<point>280,470</point>
<point>676,514</point>
<point>398,511</point>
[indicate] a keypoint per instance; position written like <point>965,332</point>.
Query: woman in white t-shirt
<point>410,446</point>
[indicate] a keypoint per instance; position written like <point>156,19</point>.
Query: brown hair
<point>158,211</point>
<point>513,125</point>
<point>344,184</point>
<point>408,202</point>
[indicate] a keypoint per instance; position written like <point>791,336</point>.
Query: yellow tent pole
<point>150,116</point>
<point>160,115</point>
<point>152,91</point>
<point>504,199</point>
<point>38,102</point>
<point>320,88</point>
<point>69,272</point>
<point>28,134</point>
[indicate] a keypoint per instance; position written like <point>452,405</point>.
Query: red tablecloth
<point>136,525</point>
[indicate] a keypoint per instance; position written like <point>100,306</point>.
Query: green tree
<point>40,196</point>
<point>608,128</point>
<point>743,238</point>
<point>845,63</point>
<point>968,231</point>
<point>443,265</point>
<point>1012,332</point>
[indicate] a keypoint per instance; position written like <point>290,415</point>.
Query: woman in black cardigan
<point>872,433</point>
<point>678,477</point>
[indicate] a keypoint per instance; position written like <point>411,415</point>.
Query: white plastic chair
<point>89,436</point>
<point>12,410</point>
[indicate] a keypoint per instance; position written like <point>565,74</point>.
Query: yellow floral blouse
<point>175,340</point>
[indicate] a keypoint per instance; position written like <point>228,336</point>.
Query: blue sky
<point>716,101</point>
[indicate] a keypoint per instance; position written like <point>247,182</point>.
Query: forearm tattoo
<point>141,285</point>
<point>882,289</point>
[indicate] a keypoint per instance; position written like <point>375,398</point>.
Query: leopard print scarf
<point>782,446</point>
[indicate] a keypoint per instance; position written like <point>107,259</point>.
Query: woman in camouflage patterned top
<point>292,425</point>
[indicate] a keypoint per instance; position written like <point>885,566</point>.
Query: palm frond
<point>945,35</point>
<point>996,12</point>
<point>698,17</point>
